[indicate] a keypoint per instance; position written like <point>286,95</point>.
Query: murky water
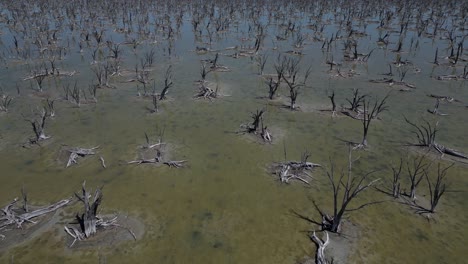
<point>224,207</point>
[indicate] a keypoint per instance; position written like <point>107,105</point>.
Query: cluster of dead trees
<point>418,169</point>
<point>37,38</point>
<point>363,108</point>
<point>347,185</point>
<point>287,72</point>
<point>204,89</point>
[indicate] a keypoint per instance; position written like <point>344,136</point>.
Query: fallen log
<point>294,170</point>
<point>45,74</point>
<point>448,77</point>
<point>103,163</point>
<point>321,246</point>
<point>17,216</point>
<point>77,152</point>
<point>391,82</point>
<point>448,99</point>
<point>141,161</point>
<point>175,163</point>
<point>426,135</point>
<point>436,111</point>
<point>444,150</point>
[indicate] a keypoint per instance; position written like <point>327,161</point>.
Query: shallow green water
<point>224,207</point>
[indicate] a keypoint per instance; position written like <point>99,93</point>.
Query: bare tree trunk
<point>321,246</point>
<point>416,172</point>
<point>348,187</point>
<point>88,219</point>
<point>332,99</point>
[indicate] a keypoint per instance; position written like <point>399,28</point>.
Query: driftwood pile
<point>12,215</point>
<point>156,155</point>
<point>295,170</point>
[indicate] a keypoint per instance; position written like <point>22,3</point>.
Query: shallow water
<point>224,207</point>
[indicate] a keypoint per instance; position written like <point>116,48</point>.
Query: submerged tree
<point>38,126</point>
<point>345,188</point>
<point>369,114</point>
<point>426,138</point>
<point>437,188</point>
<point>167,83</point>
<point>416,171</point>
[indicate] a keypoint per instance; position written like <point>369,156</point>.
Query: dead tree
<point>436,109</point>
<point>155,107</point>
<point>321,246</point>
<point>114,49</point>
<point>148,144</point>
<point>291,80</point>
<point>345,189</point>
<point>24,194</point>
<point>215,66</point>
<point>368,115</point>
<point>17,216</point>
<point>38,126</point>
<point>257,127</point>
<point>356,101</point>
<point>416,171</point>
<point>102,74</point>
<point>67,91</point>
<point>396,185</point>
<point>5,102</point>
<point>204,72</point>
<point>265,134</point>
<point>89,221</point>
<point>426,135</point>
<point>50,107</point>
<point>257,117</point>
<point>273,85</point>
<point>261,61</point>
<point>206,92</point>
<point>437,188</point>
<point>93,92</point>
<point>76,94</point>
<point>394,188</point>
<point>272,88</point>
<point>154,154</point>
<point>167,83</point>
<point>149,57</point>
<point>39,79</point>
<point>332,99</point>
<point>293,93</point>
